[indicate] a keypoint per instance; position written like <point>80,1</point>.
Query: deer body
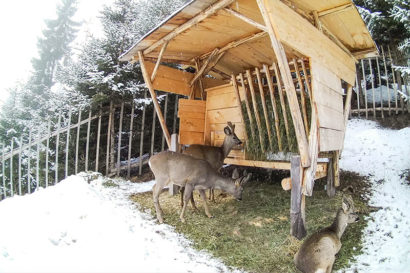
<point>185,171</point>
<point>317,253</point>
<point>214,155</point>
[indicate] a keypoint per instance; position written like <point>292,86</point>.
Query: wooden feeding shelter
<point>277,69</point>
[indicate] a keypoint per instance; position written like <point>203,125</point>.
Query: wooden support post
<point>19,171</point>
<point>174,189</point>
<point>153,132</point>
<point>201,71</point>
<point>330,184</point>
<point>56,159</point>
<point>372,79</point>
<point>142,133</point>
<point>165,118</point>
<point>37,161</point>
<point>47,152</point>
<point>107,156</point>
<point>11,167</point>
<point>336,170</point>
<point>265,111</point>
<point>201,86</point>
<point>297,202</point>
<point>306,78</point>
<point>112,141</point>
<point>3,177</point>
<point>67,144</point>
<point>365,89</point>
<point>248,108</point>
<point>302,96</point>
<point>154,98</point>
<point>357,95</point>
<point>380,86</point>
<point>282,103</point>
<point>289,86</point>
<point>273,101</point>
<point>119,140</point>
<point>77,143</point>
<point>255,110</point>
<point>387,81</point>
<point>161,53</point>
<point>174,124</point>
<point>97,150</point>
<point>130,139</point>
<point>238,103</point>
<point>394,81</point>
<point>87,145</point>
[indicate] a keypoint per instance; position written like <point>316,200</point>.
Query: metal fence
<point>115,139</point>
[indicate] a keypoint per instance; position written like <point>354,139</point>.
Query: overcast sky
<point>21,23</point>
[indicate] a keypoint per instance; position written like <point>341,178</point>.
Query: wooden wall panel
<point>191,121</point>
<point>330,140</point>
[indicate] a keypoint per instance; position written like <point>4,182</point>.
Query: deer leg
<point>156,191</point>
<point>203,196</point>
<point>193,202</point>
<point>181,191</point>
<point>187,196</point>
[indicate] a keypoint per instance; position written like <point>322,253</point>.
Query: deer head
<point>239,183</point>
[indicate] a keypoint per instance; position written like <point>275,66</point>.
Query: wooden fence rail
<point>83,145</point>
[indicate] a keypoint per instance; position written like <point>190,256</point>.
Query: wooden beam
<point>289,86</point>
<point>255,110</point>
<point>203,67</point>
<point>248,108</point>
<point>297,200</point>
<point>203,15</point>
<point>238,102</point>
<point>302,96</point>
<point>273,101</point>
<point>154,72</point>
<point>147,80</point>
<point>347,110</point>
<point>334,10</point>
<point>245,19</point>
<point>237,43</point>
<point>318,24</point>
<point>201,86</point>
<point>305,76</point>
<point>265,111</point>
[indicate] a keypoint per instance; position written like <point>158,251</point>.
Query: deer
<point>317,253</point>
<point>192,173</point>
<point>214,155</point>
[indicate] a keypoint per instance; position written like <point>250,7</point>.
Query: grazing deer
<point>317,253</point>
<point>185,171</point>
<point>214,155</point>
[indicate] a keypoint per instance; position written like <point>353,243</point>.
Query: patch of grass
<point>254,234</point>
<point>110,184</point>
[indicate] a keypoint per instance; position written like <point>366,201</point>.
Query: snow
<point>77,226</point>
<point>383,155</point>
<point>80,225</point>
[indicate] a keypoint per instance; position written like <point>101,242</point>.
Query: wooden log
<point>357,94</point>
<point>29,161</point>
<point>365,89</point>
<point>19,171</point>
<point>286,183</point>
<point>239,105</point>
<point>38,162</point>
<point>3,177</point>
<point>255,110</point>
<point>142,132</point>
<point>387,80</point>
<point>97,151</point>
<point>380,86</point>
<point>245,19</point>
<point>195,20</point>
<point>297,209</point>
<point>161,53</point>
<point>346,111</point>
<point>306,78</point>
<point>282,103</point>
<point>336,170</point>
<point>77,142</point>
<point>112,141</point>
<point>67,144</point>
<point>302,96</point>
<point>372,82</point>
<point>130,139</point>
<point>107,155</point>
<point>394,81</point>
<point>273,102</point>
<point>11,168</point>
<point>201,86</point>
<point>153,132</point>
<point>330,183</point>
<point>57,144</point>
<point>87,145</point>
<point>165,118</point>
<point>201,71</point>
<point>248,108</point>
<point>174,123</point>
<point>154,98</point>
<point>119,139</point>
<point>265,111</point>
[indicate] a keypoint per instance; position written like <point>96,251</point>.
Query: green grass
<point>254,234</point>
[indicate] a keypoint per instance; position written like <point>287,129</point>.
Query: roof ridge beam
<point>203,15</point>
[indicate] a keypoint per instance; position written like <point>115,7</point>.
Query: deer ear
<point>345,205</point>
<point>227,130</point>
<point>245,173</point>
<point>235,174</point>
<point>246,179</point>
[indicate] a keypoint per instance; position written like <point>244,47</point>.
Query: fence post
<point>97,151</point>
<point>57,143</point>
<point>372,77</point>
<point>20,155</point>
<point>3,172</point>
<point>38,161</point>
<point>130,139</point>
<point>77,141</point>
<point>87,145</point>
<point>142,132</point>
<point>380,86</point>
<point>67,142</point>
<point>107,158</point>
<point>394,80</point>
<point>387,80</point>
<point>365,89</point>
<point>119,140</point>
<point>29,163</point>
<point>11,167</point>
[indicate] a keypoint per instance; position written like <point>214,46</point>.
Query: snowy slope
<point>383,155</point>
<point>80,227</point>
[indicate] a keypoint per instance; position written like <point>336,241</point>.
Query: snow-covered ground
<point>77,226</point>
<point>383,155</point>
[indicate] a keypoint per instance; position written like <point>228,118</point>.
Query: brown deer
<point>185,171</point>
<point>214,155</point>
<point>317,253</point>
